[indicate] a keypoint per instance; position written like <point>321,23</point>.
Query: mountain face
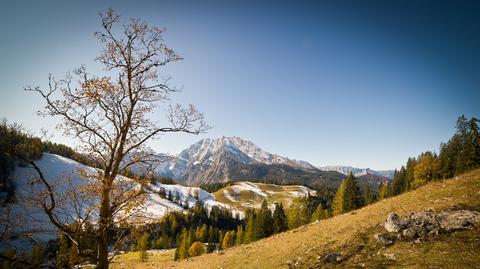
<point>346,170</point>
<point>214,160</point>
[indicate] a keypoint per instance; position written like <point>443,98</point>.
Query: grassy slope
<point>351,234</point>
<point>131,259</point>
<point>276,193</point>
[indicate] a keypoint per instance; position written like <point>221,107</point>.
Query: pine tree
<point>249,229</point>
<point>297,215</point>
<point>228,240</point>
<point>353,198</point>
<point>367,195</point>
<point>211,234</point>
<point>280,221</point>
<point>383,190</point>
<point>466,151</point>
<point>263,222</point>
<point>399,181</point>
<point>182,246</point>
<point>339,200</point>
<point>348,196</point>
<point>474,141</point>
<point>319,213</point>
<point>221,236</point>
<point>143,246</point>
<point>411,163</point>
<point>239,237</point>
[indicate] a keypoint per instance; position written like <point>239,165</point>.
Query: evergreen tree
<point>221,236</point>
<point>182,247</point>
<point>228,240</point>
<point>474,139</point>
<point>211,234</point>
<point>280,221</point>
<point>263,222</point>
<point>297,215</point>
<point>348,196</point>
<point>409,169</point>
<point>239,237</point>
<point>399,183</point>
<point>367,195</point>
<point>319,213</point>
<point>250,227</point>
<point>339,200</point>
<point>143,246</point>
<point>383,190</point>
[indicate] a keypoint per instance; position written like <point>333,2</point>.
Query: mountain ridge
<point>236,159</point>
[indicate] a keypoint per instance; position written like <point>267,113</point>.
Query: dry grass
<point>131,260</point>
<point>351,234</point>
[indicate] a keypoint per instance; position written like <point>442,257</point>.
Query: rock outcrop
<point>426,223</point>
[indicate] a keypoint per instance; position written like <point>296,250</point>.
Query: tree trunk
<point>102,259</point>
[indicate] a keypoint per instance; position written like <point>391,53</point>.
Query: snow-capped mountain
<point>346,170</point>
<point>212,160</point>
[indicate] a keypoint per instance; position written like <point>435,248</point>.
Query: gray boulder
<point>458,220</point>
<point>383,239</point>
<point>395,224</point>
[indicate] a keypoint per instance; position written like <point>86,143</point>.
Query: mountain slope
<point>65,175</point>
<point>351,234</point>
<point>233,158</point>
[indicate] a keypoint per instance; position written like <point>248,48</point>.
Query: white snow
<point>227,195</point>
<point>247,186</point>
<point>65,175</point>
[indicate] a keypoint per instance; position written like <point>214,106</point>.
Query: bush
<point>196,249</point>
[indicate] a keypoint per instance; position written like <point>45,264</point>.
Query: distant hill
<point>245,195</point>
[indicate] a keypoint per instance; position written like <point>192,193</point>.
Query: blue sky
<point>342,82</point>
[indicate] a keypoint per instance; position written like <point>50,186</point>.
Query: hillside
<point>66,174</point>
<point>351,234</point>
<point>243,195</point>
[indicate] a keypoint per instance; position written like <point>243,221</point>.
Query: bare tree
<point>110,117</point>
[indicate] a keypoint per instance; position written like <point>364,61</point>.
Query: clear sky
<point>342,82</point>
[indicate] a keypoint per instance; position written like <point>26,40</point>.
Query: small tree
<point>319,213</point>
<point>297,215</point>
<point>339,200</point>
<point>239,237</point>
<point>383,190</point>
<point>228,240</point>
<point>143,246</point>
<point>280,221</point>
<point>348,196</point>
<point>196,249</point>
